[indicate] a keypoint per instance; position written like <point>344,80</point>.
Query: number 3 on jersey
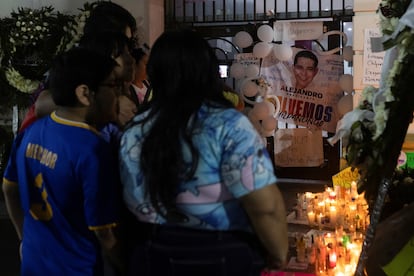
<point>41,210</point>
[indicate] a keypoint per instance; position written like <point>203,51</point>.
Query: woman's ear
<point>84,94</point>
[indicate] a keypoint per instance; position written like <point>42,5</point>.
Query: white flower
<point>380,119</point>
<point>19,82</point>
<point>81,25</point>
<point>368,93</point>
<point>389,97</point>
<point>344,126</point>
<point>394,22</point>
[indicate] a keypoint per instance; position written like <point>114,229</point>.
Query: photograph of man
<point>305,68</point>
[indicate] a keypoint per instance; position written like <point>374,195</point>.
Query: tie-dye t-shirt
<point>233,162</point>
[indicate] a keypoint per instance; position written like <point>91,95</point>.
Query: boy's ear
<point>84,94</point>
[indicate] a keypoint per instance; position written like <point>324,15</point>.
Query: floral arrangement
<point>29,39</point>
<point>74,29</point>
<point>375,130</point>
<point>16,80</point>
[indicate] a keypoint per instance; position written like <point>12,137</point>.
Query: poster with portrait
<point>307,87</point>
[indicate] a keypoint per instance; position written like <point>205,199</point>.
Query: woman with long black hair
<point>196,170</point>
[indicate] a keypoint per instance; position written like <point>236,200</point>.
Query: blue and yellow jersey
<point>66,177</point>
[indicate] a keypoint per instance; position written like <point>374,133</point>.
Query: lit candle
<point>329,240</point>
<point>339,233</point>
<point>321,206</point>
<point>332,215</point>
<point>338,191</point>
<point>327,204</point>
<point>308,195</point>
<point>352,210</point>
<point>311,217</point>
<point>320,218</point>
<point>309,199</point>
<point>332,259</point>
<point>353,186</point>
<point>354,192</point>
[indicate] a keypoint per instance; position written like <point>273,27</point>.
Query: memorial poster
<point>307,86</point>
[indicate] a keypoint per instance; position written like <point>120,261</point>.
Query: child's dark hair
<point>76,67</point>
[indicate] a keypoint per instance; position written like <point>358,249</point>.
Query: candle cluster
<point>336,253</point>
<point>338,217</point>
<point>329,252</point>
<point>334,207</point>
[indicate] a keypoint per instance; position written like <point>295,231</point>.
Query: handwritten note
<point>247,58</point>
<point>298,147</point>
<point>345,177</point>
<point>372,60</point>
<point>287,31</point>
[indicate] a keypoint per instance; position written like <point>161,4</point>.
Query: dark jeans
<point>174,251</point>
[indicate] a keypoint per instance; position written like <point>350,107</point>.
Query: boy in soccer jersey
<point>60,184</point>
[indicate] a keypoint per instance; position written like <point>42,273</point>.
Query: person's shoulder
<point>38,123</point>
<point>223,116</point>
<point>219,111</point>
<point>136,128</point>
<point>72,132</point>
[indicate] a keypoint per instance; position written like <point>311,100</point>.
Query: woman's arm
<point>266,210</point>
